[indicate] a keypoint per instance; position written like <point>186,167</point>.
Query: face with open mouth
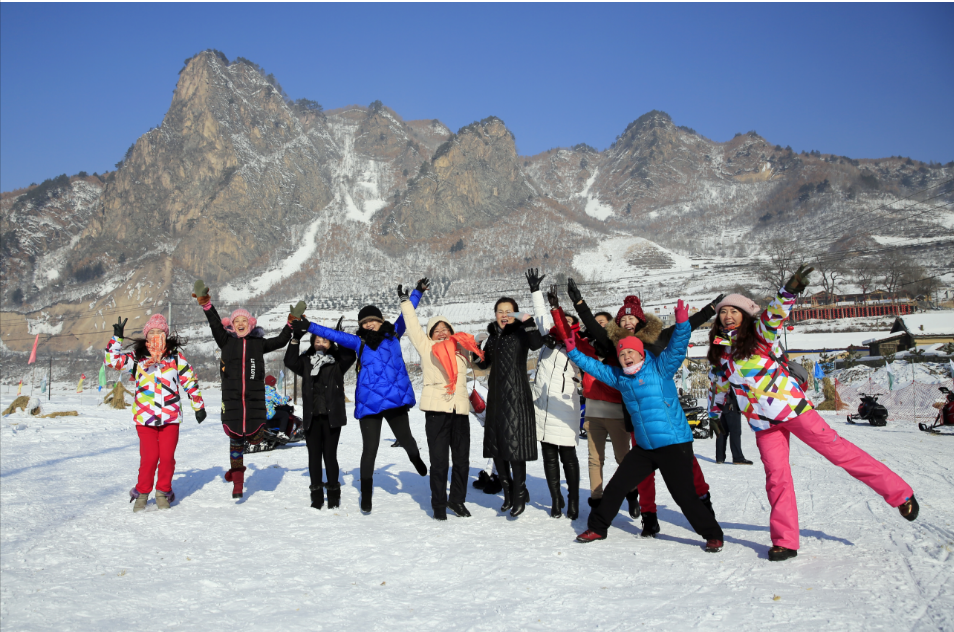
<point>505,314</point>
<point>441,332</point>
<point>629,358</point>
<point>629,322</point>
<point>730,318</point>
<point>240,325</point>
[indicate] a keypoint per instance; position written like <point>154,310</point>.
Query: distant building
<point>915,330</point>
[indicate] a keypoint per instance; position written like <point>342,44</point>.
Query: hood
<point>432,322</point>
<point>648,333</point>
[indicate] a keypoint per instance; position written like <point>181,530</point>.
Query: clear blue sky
<point>80,82</point>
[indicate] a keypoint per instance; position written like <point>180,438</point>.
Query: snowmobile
<point>945,416</point>
<point>275,437</point>
<point>697,418</point>
<point>871,411</point>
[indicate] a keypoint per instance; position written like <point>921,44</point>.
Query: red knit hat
<point>270,380</point>
<point>631,342</point>
<point>156,321</point>
<point>631,307</point>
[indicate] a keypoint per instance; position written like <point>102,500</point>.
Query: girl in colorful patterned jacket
<point>746,368</point>
<point>243,345</point>
<point>159,368</point>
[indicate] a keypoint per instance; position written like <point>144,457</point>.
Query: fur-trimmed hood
<point>494,330</point>
<point>432,323</point>
<point>649,332</point>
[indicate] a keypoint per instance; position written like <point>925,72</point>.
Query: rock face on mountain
<point>267,199</point>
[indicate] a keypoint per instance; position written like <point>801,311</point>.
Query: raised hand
<point>300,327</point>
<point>799,280</point>
<point>338,325</point>
<point>200,292</point>
<point>118,327</point>
<point>682,312</point>
<point>423,285</point>
<point>297,310</point>
<point>573,292</point>
<point>534,278</point>
<point>717,300</point>
<point>552,297</point>
<point>404,295</point>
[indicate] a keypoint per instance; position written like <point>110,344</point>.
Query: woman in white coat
<point>556,401</point>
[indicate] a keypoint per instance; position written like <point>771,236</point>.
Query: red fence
<point>849,311</point>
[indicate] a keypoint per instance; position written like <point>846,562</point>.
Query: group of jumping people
<point>624,367</point>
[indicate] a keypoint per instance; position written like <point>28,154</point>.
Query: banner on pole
<point>43,385</point>
<point>33,353</point>
<point>102,377</point>
<point>79,385</point>
<point>890,371</point>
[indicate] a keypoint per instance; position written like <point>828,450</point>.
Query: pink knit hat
<point>252,321</point>
<point>746,305</point>
<point>156,321</point>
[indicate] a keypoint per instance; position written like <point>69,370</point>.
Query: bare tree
<point>894,267</point>
<point>865,273</point>
<point>782,261</point>
<point>831,273</point>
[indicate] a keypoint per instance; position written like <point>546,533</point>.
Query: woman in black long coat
<point>322,368</point>
<point>510,428</point>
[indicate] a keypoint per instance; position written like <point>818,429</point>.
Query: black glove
<point>300,327</point>
<point>716,424</point>
<point>118,327</point>
<point>338,326</point>
<point>534,278</point>
<point>423,285</point>
<point>573,292</point>
<point>552,297</point>
<point>200,415</point>
<point>550,341</point>
<point>717,300</point>
<point>404,295</point>
<point>799,280</point>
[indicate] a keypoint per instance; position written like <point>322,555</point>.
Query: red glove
<point>682,312</point>
<point>570,342</point>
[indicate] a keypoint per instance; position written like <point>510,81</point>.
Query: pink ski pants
<point>812,429</point>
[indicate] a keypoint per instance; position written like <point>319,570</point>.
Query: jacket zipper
<point>243,387</point>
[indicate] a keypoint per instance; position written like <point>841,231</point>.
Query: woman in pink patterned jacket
<point>158,368</point>
<point>746,369</point>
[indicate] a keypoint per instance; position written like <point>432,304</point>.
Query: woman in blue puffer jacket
<point>384,390</point>
<point>663,437</point>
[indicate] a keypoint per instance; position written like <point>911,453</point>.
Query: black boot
<point>571,469</point>
<point>521,498</point>
<point>633,499</point>
<point>419,464</point>
<point>493,485</point>
<point>440,513</point>
<point>707,501</point>
<point>459,509</point>
<point>551,470</point>
<point>650,525</point>
<point>780,554</point>
<point>367,489</point>
<point>317,496</point>
<point>334,495</point>
<point>508,499</point>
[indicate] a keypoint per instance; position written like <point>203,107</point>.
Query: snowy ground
<point>75,557</point>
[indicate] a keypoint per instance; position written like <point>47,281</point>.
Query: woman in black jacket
<point>322,368</point>
<point>243,346</point>
<point>510,427</point>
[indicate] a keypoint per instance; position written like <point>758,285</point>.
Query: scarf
<point>157,347</point>
<point>446,353</point>
<point>320,359</point>
<point>633,370</point>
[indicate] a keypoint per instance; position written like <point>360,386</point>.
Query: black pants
<point>732,422</point>
<point>514,472</point>
<point>448,431</point>
<point>371,437</point>
<point>322,442</point>
<point>674,462</point>
<point>280,421</point>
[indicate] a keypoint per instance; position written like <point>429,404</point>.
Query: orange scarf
<point>157,347</point>
<point>446,353</point>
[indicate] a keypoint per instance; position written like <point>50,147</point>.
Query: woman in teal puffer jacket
<point>662,433</point>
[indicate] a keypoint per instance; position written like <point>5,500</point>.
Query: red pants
<point>647,489</point>
<point>157,446</point>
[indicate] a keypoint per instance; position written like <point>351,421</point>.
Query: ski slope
<point>75,557</point>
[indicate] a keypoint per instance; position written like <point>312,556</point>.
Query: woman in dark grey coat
<point>510,428</point>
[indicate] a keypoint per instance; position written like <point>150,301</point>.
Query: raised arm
<point>595,332</point>
<point>114,357</point>
<point>295,360</point>
<point>342,338</point>
<point>606,374</point>
<point>771,319</point>
<point>540,314</point>
<point>279,341</point>
<point>215,324</point>
<point>408,315</point>
<point>416,295</point>
<point>695,321</point>
<point>675,352</point>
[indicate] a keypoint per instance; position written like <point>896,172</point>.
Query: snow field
<point>75,557</point>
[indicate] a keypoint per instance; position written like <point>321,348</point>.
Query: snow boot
<point>521,498</point>
<point>551,471</point>
<point>633,499</point>
<point>707,501</point>
<point>440,514</point>
<point>780,553</point>
<point>318,496</point>
<point>236,476</point>
<point>140,499</point>
<point>571,470</point>
<point>508,500</point>
<point>910,508</point>
<point>589,536</point>
<point>164,498</point>
<point>714,546</point>
<point>367,489</point>
<point>493,485</point>
<point>482,479</point>
<point>419,464</point>
<point>650,525</point>
<point>459,509</point>
<point>334,495</point>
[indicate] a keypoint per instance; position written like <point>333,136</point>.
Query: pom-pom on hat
<point>631,307</point>
<point>740,302</point>
<point>156,321</point>
<point>369,312</point>
<point>631,342</point>
<point>270,380</point>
